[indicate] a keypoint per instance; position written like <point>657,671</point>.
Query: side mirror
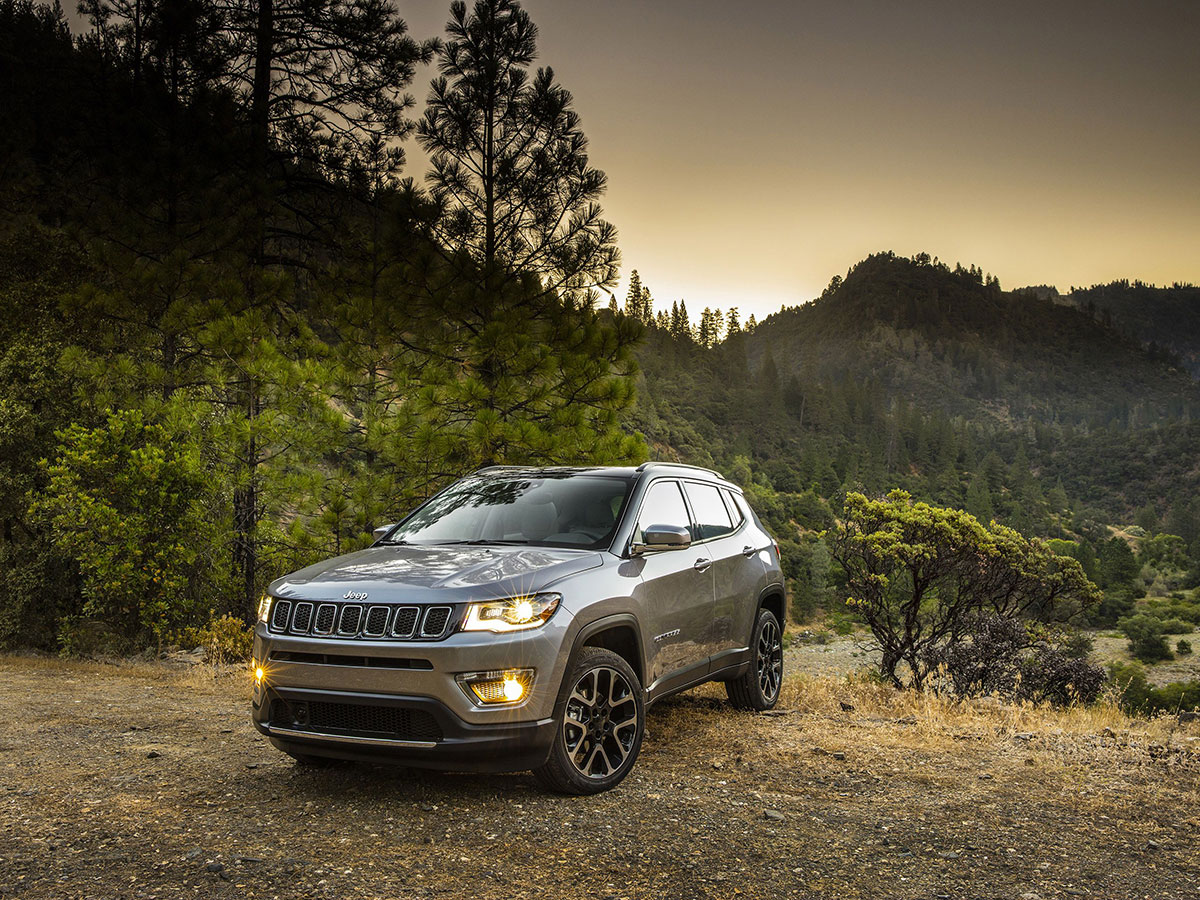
<point>381,531</point>
<point>664,537</point>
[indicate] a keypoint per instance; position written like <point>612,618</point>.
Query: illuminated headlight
<point>511,614</point>
<point>264,607</point>
<point>500,686</point>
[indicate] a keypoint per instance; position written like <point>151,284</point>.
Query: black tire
<point>759,688</point>
<point>600,695</point>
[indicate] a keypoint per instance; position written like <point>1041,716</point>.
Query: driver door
<point>676,595</point>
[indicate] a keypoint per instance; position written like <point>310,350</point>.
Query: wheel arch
<point>621,635</point>
<point>774,598</point>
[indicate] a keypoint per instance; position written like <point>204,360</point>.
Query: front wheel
<point>759,687</point>
<point>599,720</point>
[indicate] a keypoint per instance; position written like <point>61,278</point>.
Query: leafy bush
<point>919,574</point>
<point>1137,695</point>
<point>999,659</point>
<point>1146,641</point>
<point>225,639</point>
<point>123,500</point>
<point>1183,648</point>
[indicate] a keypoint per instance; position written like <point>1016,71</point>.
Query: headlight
<point>512,613</point>
<point>264,607</point>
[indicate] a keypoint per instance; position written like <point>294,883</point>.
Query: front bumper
<point>371,693</point>
<point>456,746</point>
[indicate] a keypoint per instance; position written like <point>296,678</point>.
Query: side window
<point>712,518</point>
<point>735,511</point>
<point>663,506</point>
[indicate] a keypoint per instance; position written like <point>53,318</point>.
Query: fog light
<point>258,673</point>
<point>507,686</point>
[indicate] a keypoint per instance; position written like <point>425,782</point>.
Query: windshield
<point>576,511</point>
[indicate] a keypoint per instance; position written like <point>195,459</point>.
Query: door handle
<point>748,551</point>
<point>701,564</point>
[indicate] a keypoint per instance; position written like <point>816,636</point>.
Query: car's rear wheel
<point>759,687</point>
<point>600,718</point>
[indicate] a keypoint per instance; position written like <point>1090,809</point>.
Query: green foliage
<point>1146,641</point>
<point>918,574</point>
<point>1138,696</point>
<point>225,639</point>
<point>126,500</point>
<point>1183,648</point>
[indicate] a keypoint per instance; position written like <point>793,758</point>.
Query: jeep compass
<point>524,619</point>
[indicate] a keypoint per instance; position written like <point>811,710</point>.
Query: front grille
<point>395,722</point>
<point>358,621</point>
<point>341,659</point>
<point>279,616</point>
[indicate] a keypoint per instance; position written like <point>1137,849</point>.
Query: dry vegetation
<point>143,781</point>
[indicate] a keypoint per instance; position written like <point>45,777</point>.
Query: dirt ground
<point>139,781</point>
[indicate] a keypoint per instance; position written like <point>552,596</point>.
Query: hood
<point>445,573</point>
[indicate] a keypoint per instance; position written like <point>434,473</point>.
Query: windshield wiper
<point>484,542</point>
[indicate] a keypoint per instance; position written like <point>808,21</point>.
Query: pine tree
<point>633,297</point>
<point>510,170</point>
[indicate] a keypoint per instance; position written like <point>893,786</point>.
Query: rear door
<point>738,572</point>
<point>676,594</point>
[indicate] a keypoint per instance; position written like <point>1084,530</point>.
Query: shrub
<point>1183,648</point>
<point>1004,657</point>
<point>225,639</point>
<point>1146,641</point>
<point>124,501</point>
<point>1137,695</point>
<point>918,574</point>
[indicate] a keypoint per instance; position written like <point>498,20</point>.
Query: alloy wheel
<point>601,723</point>
<point>770,660</point>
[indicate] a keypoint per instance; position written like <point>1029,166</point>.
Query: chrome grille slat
<point>326,619</point>
<point>377,621</point>
<point>435,621</point>
<point>350,619</point>
<point>280,615</point>
<point>406,621</point>
<point>302,618</point>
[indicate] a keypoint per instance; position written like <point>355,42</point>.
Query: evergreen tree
<point>510,170</point>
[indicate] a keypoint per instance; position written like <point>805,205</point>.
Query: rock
<point>838,754</point>
<point>153,754</point>
<point>1108,733</point>
<point>773,814</point>
<point>1023,736</point>
<point>820,751</point>
<point>1188,716</point>
<point>1153,845</point>
<point>1030,895</point>
<point>214,867</point>
<point>984,776</point>
<point>948,854</point>
<point>192,854</point>
<point>846,707</point>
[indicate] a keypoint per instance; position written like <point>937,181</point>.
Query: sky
<point>756,149</point>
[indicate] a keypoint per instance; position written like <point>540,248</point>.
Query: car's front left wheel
<point>599,721</point>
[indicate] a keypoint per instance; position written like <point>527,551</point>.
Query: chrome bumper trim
<point>345,738</point>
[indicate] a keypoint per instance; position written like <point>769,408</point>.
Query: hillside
<point>946,340</point>
<point>1165,319</point>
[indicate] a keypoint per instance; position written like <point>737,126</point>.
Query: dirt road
<point>138,781</point>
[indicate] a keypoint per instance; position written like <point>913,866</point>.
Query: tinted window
<point>574,511</point>
<point>734,510</point>
<point>712,518</point>
<point>663,505</point>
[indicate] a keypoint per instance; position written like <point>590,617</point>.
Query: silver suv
<point>525,619</point>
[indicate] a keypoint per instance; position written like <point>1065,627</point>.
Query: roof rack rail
<point>675,465</point>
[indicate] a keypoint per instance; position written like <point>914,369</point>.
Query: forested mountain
<point>1165,319</point>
